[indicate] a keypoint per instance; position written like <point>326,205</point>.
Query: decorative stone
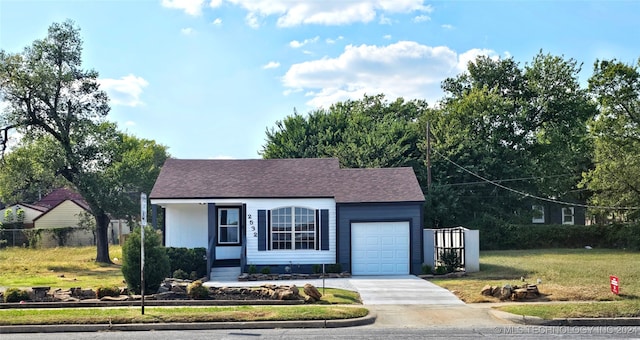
<point>486,290</point>
<point>505,292</point>
<point>312,291</point>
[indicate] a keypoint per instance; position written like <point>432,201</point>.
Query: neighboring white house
<point>63,208</point>
<point>30,212</point>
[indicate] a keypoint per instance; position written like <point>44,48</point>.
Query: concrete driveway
<point>374,290</point>
<point>401,290</point>
<point>399,301</point>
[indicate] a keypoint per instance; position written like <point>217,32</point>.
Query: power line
<point>522,193</point>
<point>504,180</point>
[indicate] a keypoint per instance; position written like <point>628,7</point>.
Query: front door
<point>229,229</point>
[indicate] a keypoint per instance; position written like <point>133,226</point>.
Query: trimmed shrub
<point>441,270</point>
<point>189,260</point>
<point>156,261</point>
<point>266,270</point>
<point>16,295</point>
<point>180,274</point>
<point>103,291</point>
<point>196,290</point>
<point>335,268</point>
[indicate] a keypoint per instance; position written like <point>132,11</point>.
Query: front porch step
<point>225,273</point>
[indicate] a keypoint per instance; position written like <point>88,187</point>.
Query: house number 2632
<point>252,226</point>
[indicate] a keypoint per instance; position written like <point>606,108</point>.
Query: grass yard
<point>602,309</point>
<point>69,267</point>
<point>176,314</point>
<point>64,267</point>
<point>566,274</point>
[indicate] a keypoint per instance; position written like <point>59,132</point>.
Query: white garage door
<point>380,248</point>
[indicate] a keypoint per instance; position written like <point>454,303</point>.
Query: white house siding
<point>65,214</point>
<point>29,214</point>
<point>186,225</point>
<point>289,256</point>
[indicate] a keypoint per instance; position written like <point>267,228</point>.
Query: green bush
<point>253,269</point>
<point>196,290</point>
<point>496,236</point>
<point>450,259</point>
<point>103,291</point>
<point>180,274</point>
<point>16,295</point>
<point>188,259</point>
<point>266,270</point>
<point>426,269</point>
<point>440,270</point>
<point>156,261</point>
<point>334,268</point>
<point>316,268</point>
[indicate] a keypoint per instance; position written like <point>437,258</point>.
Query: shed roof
<point>284,178</point>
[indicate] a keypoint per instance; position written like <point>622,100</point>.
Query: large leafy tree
<point>26,173</point>
<point>370,132</point>
<point>132,167</point>
<point>615,179</point>
<point>50,95</point>
<point>521,127</point>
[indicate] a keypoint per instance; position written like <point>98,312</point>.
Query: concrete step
<point>225,273</point>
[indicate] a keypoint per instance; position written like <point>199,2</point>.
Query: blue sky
<point>207,78</point>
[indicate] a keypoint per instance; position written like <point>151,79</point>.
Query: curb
<point>537,321</point>
<point>365,320</point>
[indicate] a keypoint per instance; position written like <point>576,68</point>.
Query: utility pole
<point>428,157</point>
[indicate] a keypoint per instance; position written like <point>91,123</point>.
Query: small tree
<point>156,261</point>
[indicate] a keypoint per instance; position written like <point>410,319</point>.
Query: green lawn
<point>64,267</point>
<point>176,314</point>
<point>567,275</point>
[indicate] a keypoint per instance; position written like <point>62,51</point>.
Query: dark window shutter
<point>324,229</point>
<point>262,230</point>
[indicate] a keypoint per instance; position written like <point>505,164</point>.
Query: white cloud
<point>217,22</point>
<point>271,64</point>
<point>215,3</point>
<point>447,26</point>
<point>252,20</point>
<point>384,20</point>
<point>403,69</point>
<point>298,44</point>
<point>187,31</point>
<point>422,18</point>
<point>472,54</point>
<point>191,7</point>
<point>387,36</point>
<point>333,41</point>
<point>130,123</point>
<point>125,91</point>
<point>294,13</point>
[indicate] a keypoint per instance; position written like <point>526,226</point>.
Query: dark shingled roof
<point>60,195</point>
<point>284,178</point>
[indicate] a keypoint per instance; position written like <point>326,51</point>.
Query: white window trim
<point>220,226</point>
<point>293,229</point>
<point>573,216</point>
<point>537,210</point>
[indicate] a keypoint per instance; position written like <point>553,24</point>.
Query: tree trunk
<point>102,239</point>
